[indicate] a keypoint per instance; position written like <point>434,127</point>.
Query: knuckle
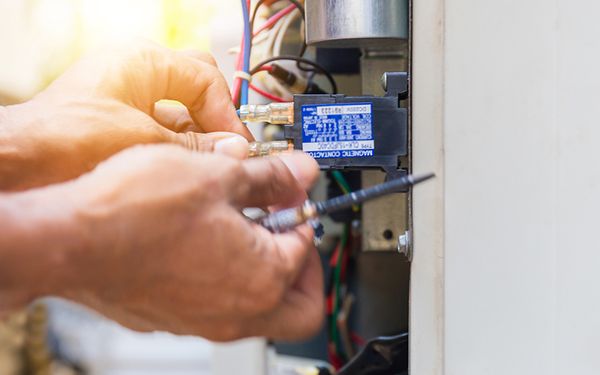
<point>197,142</point>
<point>183,121</point>
<point>208,58</point>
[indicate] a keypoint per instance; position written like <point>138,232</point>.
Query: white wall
<point>516,140</point>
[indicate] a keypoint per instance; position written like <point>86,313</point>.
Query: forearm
<point>38,240</point>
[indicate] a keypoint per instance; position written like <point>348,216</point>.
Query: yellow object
<point>256,149</point>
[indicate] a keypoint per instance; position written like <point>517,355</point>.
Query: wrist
<point>39,238</point>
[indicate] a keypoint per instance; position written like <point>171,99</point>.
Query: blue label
<point>338,130</point>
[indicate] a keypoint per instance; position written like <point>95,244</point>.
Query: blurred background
<point>41,38</point>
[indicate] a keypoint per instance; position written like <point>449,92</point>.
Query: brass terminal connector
<point>257,149</point>
<point>273,113</point>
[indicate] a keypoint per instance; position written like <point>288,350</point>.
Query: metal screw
<point>404,244</point>
<point>384,81</point>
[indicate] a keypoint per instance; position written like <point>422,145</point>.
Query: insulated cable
<point>246,52</point>
<point>318,67</point>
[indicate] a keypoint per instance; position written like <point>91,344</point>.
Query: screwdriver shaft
<point>287,219</point>
<point>360,196</point>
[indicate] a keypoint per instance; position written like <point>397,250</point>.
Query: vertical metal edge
<point>427,20</point>
<point>410,122</point>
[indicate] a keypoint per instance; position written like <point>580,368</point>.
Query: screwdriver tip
<point>420,178</point>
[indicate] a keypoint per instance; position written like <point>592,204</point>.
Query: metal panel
<point>386,218</point>
<point>427,267</point>
<point>356,23</point>
<point>508,118</point>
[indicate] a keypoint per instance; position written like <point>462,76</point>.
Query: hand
<point>166,248</point>
<point>108,102</point>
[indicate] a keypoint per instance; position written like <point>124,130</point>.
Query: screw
<point>384,81</point>
<point>404,244</point>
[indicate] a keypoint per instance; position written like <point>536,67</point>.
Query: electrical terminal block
<point>273,113</point>
<point>258,149</point>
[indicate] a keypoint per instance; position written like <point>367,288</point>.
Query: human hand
<point>165,246</point>
<point>106,103</point>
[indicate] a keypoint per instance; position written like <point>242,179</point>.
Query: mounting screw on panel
<point>395,84</point>
<point>404,246</point>
<point>384,81</point>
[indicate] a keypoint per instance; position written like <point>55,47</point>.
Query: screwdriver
<point>287,219</point>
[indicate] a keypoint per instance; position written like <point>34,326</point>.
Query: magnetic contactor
<point>345,132</point>
<point>354,132</point>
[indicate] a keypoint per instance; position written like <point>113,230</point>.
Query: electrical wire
<point>344,186</point>
<point>267,95</point>
<point>266,43</point>
<point>286,24</point>
<point>357,339</point>
<point>271,46</point>
<point>335,298</point>
<point>246,51</point>
<point>296,3</point>
<point>237,81</point>
<point>242,86</point>
<point>299,6</point>
<point>274,19</point>
<point>266,68</point>
<point>318,67</point>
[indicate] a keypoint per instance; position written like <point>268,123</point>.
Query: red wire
<point>274,18</point>
<point>334,256</point>
<point>266,68</point>
<point>358,339</point>
<point>267,95</point>
<point>345,259</point>
<point>237,83</point>
<point>334,359</point>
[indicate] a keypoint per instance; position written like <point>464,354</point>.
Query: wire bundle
<point>273,29</point>
<point>341,339</point>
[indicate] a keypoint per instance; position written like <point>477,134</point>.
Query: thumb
<point>230,144</point>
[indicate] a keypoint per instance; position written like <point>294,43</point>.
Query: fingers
<point>305,169</point>
<point>272,264</point>
<point>202,56</point>
<point>230,144</point>
<point>200,86</point>
<point>175,117</point>
<point>272,181</point>
<point>301,311</point>
<point>292,249</point>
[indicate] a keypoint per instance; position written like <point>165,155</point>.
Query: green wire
<point>337,281</point>
<point>341,181</point>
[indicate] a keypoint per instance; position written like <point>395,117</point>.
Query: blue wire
<point>247,45</point>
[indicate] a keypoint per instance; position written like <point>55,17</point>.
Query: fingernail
<point>234,146</point>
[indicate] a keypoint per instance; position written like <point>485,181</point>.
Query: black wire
<point>317,68</point>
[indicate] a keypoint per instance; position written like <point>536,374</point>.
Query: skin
<point>108,102</point>
<point>153,236</point>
